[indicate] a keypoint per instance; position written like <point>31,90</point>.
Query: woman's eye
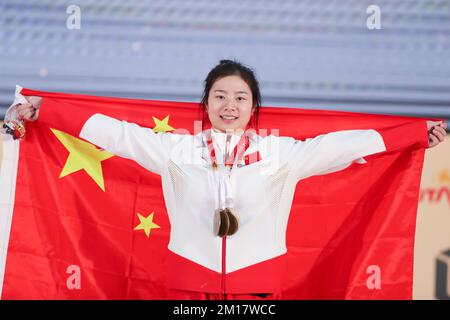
<point>220,97</point>
<point>241,98</point>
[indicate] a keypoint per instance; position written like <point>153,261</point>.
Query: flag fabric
<point>80,223</point>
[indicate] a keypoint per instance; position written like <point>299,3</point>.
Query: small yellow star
<point>146,224</point>
<point>444,177</point>
<point>82,156</point>
<point>162,125</point>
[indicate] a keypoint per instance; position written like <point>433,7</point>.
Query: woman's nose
<point>230,105</point>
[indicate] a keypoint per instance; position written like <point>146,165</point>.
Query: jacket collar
<point>201,138</point>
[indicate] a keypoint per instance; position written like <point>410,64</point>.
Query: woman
<point>225,238</point>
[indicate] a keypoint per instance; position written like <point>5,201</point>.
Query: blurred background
<point>317,54</point>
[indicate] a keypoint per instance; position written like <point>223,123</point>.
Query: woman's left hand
<point>436,132</point>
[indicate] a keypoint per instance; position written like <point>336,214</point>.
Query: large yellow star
<point>146,224</point>
<point>162,125</point>
<point>82,156</point>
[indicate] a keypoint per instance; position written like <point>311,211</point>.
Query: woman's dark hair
<point>232,68</point>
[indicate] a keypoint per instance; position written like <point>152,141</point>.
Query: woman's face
<point>230,104</point>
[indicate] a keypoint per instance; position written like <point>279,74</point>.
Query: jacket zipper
<point>224,263</point>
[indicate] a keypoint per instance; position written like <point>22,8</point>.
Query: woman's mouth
<point>228,118</point>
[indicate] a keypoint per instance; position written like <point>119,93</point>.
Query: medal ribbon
<point>228,221</point>
<point>226,199</point>
<point>239,150</point>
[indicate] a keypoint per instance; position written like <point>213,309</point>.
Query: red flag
<point>82,223</point>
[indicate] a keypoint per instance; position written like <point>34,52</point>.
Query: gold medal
<point>226,222</point>
<point>221,223</point>
<point>233,221</point>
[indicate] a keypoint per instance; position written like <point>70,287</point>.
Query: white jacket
<point>263,190</point>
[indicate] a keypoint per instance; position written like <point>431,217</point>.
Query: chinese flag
<point>80,223</point>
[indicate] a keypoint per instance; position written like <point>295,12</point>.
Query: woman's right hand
<point>29,111</point>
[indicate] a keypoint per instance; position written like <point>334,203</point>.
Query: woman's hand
<point>436,132</point>
<point>29,111</point>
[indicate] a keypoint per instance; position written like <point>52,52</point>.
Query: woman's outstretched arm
<point>335,151</point>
